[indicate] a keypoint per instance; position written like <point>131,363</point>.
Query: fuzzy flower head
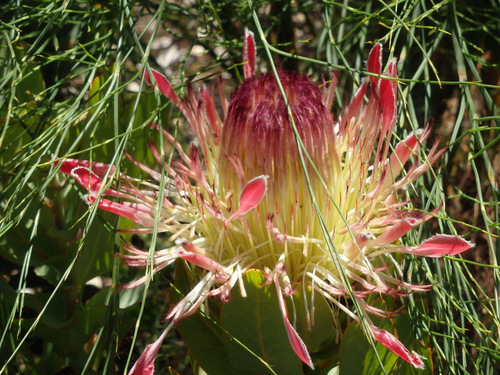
<point>278,184</point>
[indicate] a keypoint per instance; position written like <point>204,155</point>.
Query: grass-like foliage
<point>72,85</point>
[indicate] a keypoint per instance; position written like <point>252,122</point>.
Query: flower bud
<point>259,134</point>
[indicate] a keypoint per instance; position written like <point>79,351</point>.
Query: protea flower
<point>279,185</point>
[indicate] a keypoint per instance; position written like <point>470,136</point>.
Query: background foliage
<point>71,86</point>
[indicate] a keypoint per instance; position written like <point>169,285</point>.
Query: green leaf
<point>358,357</point>
<point>319,334</point>
<point>205,338</point>
<point>256,321</point>
<point>129,297</point>
<point>15,243</point>
<point>97,256</point>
